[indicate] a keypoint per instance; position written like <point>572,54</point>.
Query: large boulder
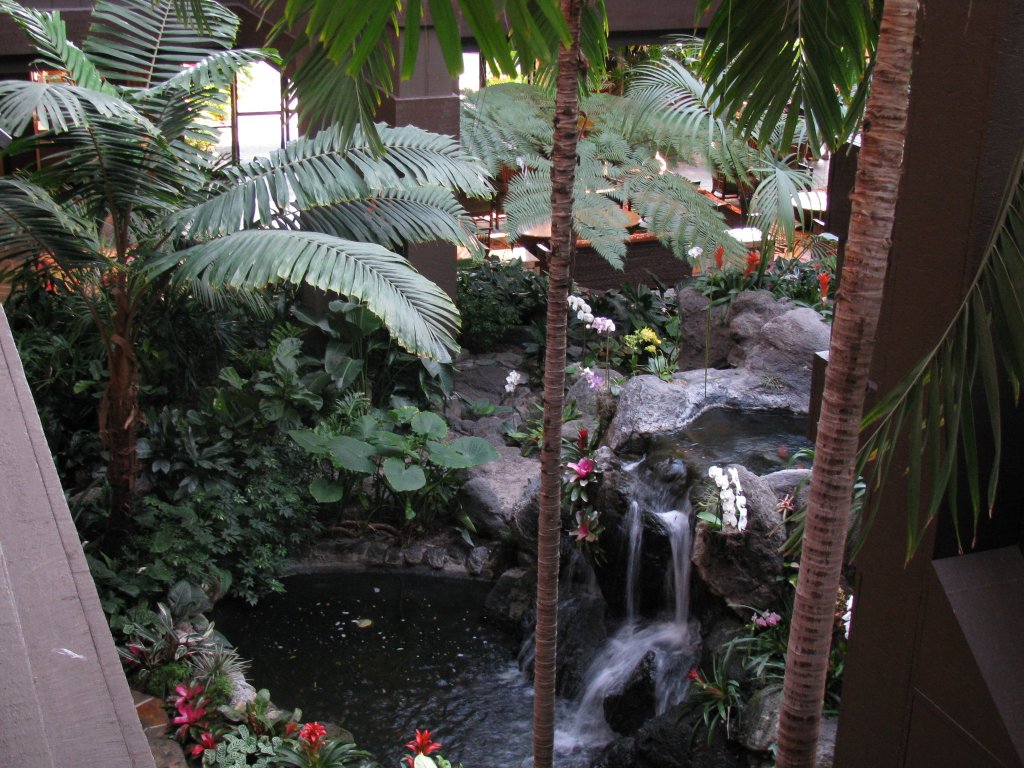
<point>511,600</point>
<point>628,707</point>
<point>702,344</point>
<point>493,491</point>
<point>761,719</point>
<point>748,314</point>
<point>649,406</point>
<point>669,741</point>
<point>742,567</point>
<point>785,349</point>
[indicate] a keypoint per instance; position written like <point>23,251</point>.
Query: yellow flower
<point>646,334</point>
<point>651,348</point>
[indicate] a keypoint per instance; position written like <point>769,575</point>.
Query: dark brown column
<point>429,100</point>
<point>908,640</point>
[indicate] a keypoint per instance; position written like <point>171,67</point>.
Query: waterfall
<point>671,640</point>
<point>635,529</point>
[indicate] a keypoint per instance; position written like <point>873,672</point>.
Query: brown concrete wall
<point>64,701</point>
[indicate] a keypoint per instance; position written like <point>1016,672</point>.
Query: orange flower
<point>823,281</point>
<point>753,262</point>
<point>719,255</point>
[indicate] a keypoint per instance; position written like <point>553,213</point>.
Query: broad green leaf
<point>351,454</point>
<point>326,491</point>
<point>461,453</point>
<point>402,478</point>
<point>309,441</point>
<point>429,425</point>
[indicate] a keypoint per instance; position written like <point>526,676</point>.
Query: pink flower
<point>186,693</point>
<point>582,532</point>
<point>187,718</point>
<point>582,468</point>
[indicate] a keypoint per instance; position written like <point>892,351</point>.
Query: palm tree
<point>859,301</point>
<point>858,307</point>
<point>549,525</point>
<point>129,202</point>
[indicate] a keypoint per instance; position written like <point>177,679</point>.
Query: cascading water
<point>670,640</point>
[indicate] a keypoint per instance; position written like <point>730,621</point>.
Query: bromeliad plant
<point>131,207</point>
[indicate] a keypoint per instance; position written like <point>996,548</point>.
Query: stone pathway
<point>167,753</point>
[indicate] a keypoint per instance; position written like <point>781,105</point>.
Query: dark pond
<point>384,653</point>
<point>762,441</point>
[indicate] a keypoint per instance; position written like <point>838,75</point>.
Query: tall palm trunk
<point>853,334</point>
<point>549,527</point>
<point>119,407</point>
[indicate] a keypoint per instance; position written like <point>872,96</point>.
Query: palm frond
<point>33,224</point>
<point>775,196</point>
<point>396,218</point>
<point>49,35</point>
<point>420,316</point>
<point>141,43</point>
<point>216,70</point>
<point>318,171</point>
<point>58,106</point>
<point>681,217</point>
<point>117,167</point>
<point>938,403</point>
<point>770,62</point>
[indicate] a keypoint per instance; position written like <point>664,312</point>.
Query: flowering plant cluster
<point>580,477</point>
<point>513,380</point>
<point>733,504</point>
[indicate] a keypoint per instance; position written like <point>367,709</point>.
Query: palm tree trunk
<point>858,305</point>
<point>549,527</point>
<point>119,408</point>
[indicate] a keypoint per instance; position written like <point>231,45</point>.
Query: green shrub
<point>493,297</point>
<point>162,680</point>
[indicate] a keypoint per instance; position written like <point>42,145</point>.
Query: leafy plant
<point>528,435</point>
<point>259,717</point>
<point>493,297</point>
<point>242,749</point>
<point>717,697</point>
<point>404,453</point>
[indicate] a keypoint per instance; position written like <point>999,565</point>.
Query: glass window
<point>262,118</point>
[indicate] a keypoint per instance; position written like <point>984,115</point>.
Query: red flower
<point>753,262</point>
<point>290,728</point>
<point>188,717</point>
<point>583,440</point>
<point>823,280</point>
<point>312,733</point>
<point>719,256</point>
<point>693,675</point>
<point>206,741</point>
<point>421,745</point>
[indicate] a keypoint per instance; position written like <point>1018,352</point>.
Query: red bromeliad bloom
<point>206,741</point>
<point>583,440</point>
<point>719,256</point>
<point>753,262</point>
<point>421,745</point>
<point>312,733</point>
<point>291,728</point>
<point>186,693</point>
<point>823,281</point>
<point>582,468</point>
<point>693,675</point>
